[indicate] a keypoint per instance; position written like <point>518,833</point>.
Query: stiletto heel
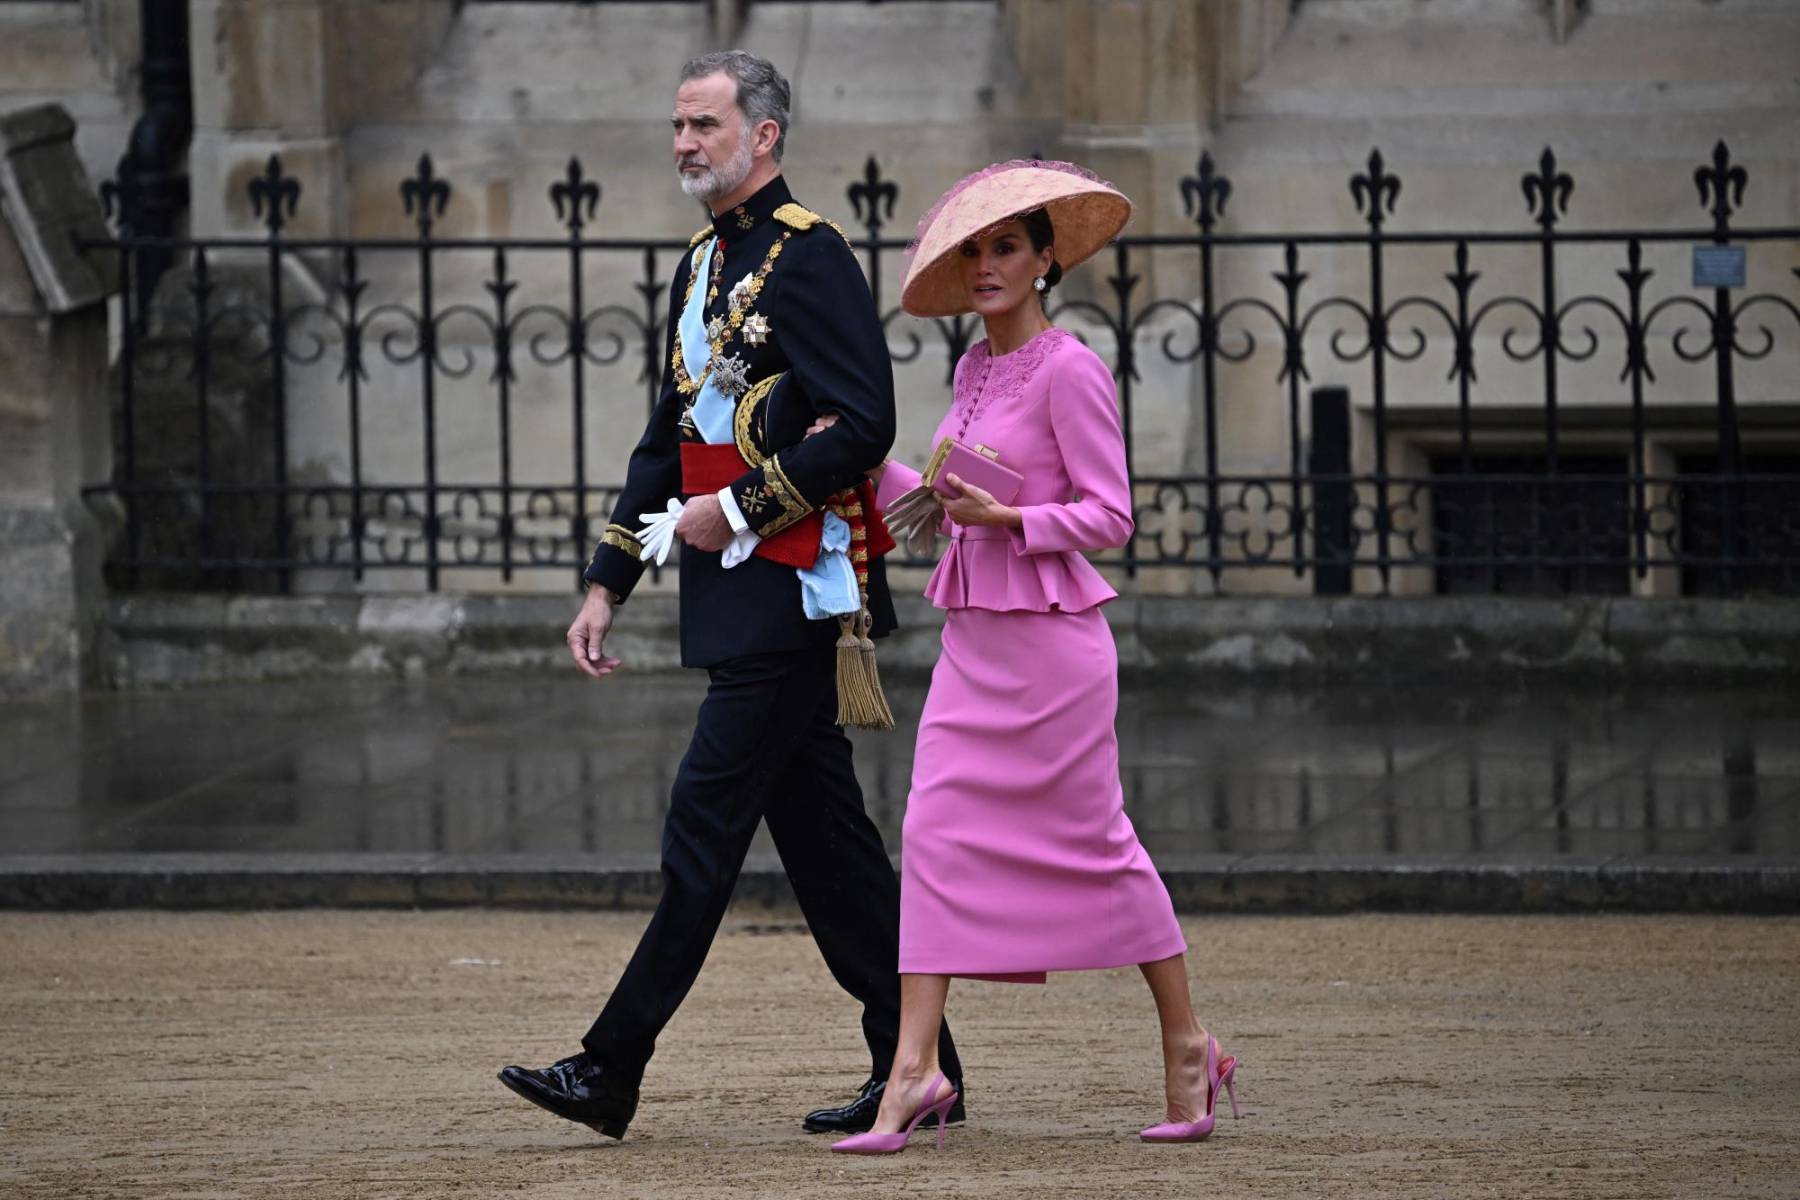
<point>1218,1075</point>
<point>893,1143</point>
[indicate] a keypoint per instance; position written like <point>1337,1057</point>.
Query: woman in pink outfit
<point>1017,857</point>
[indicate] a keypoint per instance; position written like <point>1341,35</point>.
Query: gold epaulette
<point>801,219</point>
<point>700,237</point>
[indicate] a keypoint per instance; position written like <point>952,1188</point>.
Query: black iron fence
<point>1345,411</point>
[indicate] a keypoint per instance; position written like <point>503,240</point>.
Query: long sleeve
<point>1084,417</point>
<point>897,479</point>
<point>837,363</point>
<point>652,477</point>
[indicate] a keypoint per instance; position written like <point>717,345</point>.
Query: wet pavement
<point>558,766</point>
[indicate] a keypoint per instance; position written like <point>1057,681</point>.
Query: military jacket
<point>812,321</point>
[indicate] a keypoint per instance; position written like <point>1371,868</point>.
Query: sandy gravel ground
<point>352,1054</point>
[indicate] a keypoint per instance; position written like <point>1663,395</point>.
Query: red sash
<point>705,468</point>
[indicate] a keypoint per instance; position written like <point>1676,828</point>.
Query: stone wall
<point>54,401</point>
<point>1461,95</point>
<point>167,641</point>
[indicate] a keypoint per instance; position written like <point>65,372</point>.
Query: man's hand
<point>587,636</point>
<point>703,525</point>
<point>826,422</point>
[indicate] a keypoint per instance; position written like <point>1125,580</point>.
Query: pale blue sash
<point>714,409</point>
<point>828,587</point>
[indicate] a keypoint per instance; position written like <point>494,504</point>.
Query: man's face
<point>712,142</point>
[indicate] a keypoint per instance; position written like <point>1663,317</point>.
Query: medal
<point>731,375</point>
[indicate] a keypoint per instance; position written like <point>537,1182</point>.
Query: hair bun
<point>1053,276</point>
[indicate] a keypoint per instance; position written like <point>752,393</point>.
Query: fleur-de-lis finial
<point>868,197</point>
<point>1721,186</point>
<point>1375,191</point>
<point>573,193</point>
<point>1203,196</point>
<point>424,192</point>
<point>1547,192</point>
<point>273,190</point>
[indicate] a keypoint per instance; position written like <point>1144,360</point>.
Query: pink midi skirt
<point>1016,856</point>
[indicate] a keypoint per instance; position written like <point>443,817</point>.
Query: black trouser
<point>767,747</point>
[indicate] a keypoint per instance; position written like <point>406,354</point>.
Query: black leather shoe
<point>578,1089</point>
<point>858,1116</point>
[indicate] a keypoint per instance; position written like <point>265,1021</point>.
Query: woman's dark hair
<point>1042,233</point>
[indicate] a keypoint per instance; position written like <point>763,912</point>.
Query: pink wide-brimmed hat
<point>1086,211</point>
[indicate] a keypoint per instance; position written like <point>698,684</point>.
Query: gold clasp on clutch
<point>981,449</point>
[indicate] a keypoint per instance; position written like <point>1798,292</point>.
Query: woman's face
<point>998,269</point>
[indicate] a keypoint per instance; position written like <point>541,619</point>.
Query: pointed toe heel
<point>893,1143</point>
<point>1219,1076</point>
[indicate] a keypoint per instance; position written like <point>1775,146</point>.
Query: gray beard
<point>715,182</point>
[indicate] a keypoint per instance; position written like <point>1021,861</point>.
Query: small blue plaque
<point>1718,266</point>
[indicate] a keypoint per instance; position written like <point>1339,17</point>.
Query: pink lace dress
<point>1017,857</point>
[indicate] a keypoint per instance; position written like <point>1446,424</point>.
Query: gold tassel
<point>849,668</point>
<point>860,701</point>
<point>883,715</point>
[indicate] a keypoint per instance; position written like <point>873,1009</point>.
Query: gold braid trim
<point>778,485</point>
<point>621,538</point>
<point>700,237</point>
<point>746,414</point>
<point>797,216</point>
<point>801,219</point>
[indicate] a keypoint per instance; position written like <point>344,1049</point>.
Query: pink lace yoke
<point>983,380</point>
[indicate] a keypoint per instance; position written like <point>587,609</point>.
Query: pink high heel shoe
<point>893,1143</point>
<point>1219,1073</point>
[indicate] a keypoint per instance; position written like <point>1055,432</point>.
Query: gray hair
<point>762,94</point>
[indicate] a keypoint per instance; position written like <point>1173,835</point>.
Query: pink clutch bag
<point>979,466</point>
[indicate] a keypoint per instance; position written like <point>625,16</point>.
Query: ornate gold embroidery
<point>782,489</point>
<point>798,218</point>
<point>684,383</point>
<point>753,499</point>
<point>744,221</point>
<point>746,413</point>
<point>621,538</point>
<point>700,237</point>
<point>795,216</point>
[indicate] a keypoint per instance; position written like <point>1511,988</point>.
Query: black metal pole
<point>153,190</point>
<point>1329,463</point>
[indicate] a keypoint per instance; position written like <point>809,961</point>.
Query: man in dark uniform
<point>771,326</point>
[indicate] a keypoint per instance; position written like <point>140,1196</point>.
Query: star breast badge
<point>740,290</point>
<point>731,375</point>
<point>756,329</point>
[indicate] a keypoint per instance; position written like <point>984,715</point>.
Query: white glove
<point>658,533</point>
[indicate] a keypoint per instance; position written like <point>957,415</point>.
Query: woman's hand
<point>976,507</point>
<point>825,422</point>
